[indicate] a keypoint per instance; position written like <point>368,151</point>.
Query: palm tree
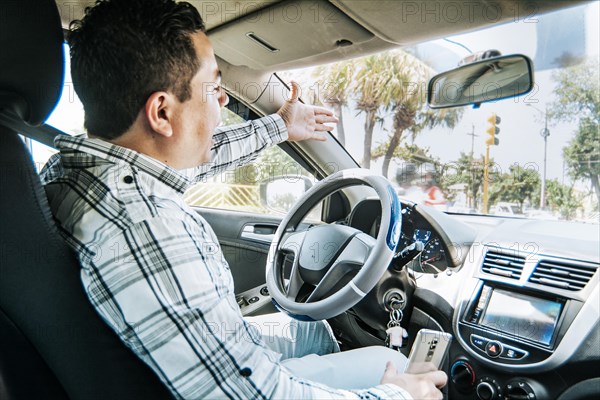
<point>405,97</point>
<point>334,89</point>
<point>371,91</point>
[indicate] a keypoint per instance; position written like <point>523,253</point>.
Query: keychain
<point>396,334</point>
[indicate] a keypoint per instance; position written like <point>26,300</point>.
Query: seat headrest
<point>31,58</point>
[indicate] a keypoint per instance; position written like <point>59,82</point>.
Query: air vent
<point>563,274</point>
<point>501,264</point>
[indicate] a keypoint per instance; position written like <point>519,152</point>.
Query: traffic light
<point>493,130</point>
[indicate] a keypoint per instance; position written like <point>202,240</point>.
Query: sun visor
<point>285,32</point>
<point>411,22</point>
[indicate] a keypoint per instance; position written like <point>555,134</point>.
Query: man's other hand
<point>304,121</point>
<point>421,386</point>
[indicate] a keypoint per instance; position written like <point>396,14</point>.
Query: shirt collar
<point>72,147</point>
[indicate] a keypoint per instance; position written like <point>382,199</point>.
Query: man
<point>432,194</point>
<point>419,185</point>
<point>148,79</point>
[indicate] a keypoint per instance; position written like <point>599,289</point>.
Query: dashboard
<point>521,300</point>
<point>418,237</point>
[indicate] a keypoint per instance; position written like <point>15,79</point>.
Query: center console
<point>515,327</point>
<point>510,330</point>
<point>513,333</point>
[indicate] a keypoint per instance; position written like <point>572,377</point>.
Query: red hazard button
<point>493,349</point>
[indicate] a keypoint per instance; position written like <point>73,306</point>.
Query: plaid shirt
<point>154,271</point>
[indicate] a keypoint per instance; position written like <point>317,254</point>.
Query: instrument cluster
<point>418,238</point>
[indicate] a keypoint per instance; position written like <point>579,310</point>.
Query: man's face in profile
<point>195,119</point>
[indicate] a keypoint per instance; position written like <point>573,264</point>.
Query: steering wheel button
<point>493,349</point>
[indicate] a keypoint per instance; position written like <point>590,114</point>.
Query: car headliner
<point>375,24</point>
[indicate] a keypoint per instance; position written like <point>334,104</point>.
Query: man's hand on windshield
<point>304,121</point>
<point>421,386</point>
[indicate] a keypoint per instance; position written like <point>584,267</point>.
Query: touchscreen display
<point>522,316</point>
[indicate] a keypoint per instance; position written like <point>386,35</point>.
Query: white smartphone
<point>428,351</point>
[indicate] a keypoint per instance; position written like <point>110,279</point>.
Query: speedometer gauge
<point>433,258</point>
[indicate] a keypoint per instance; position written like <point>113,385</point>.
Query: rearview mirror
<point>481,82</point>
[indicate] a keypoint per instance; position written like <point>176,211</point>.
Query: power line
<point>459,44</point>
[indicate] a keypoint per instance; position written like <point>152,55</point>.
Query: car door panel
<point>245,240</point>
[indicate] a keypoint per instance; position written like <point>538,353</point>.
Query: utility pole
<point>544,133</point>
<point>473,135</point>
<point>486,176</point>
<point>492,131</point>
<point>471,198</point>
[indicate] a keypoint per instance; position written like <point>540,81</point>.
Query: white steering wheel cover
<point>376,264</point>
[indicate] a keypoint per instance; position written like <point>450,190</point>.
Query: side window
<point>239,189</point>
<point>271,184</point>
<point>39,152</point>
<point>66,116</point>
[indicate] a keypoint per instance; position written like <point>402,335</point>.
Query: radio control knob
<point>488,389</point>
<point>485,391</point>
<point>519,389</point>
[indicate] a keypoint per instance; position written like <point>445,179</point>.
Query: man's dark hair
<point>122,51</point>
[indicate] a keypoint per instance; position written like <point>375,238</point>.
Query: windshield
<point>544,160</point>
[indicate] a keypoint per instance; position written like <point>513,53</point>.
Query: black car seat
<point>53,345</point>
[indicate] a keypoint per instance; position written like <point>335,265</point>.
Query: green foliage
<point>404,95</point>
<point>389,82</point>
<point>578,94</point>
<point>408,152</point>
<point>272,162</point>
<point>228,117</point>
<point>334,82</point>
<point>562,198</point>
<point>468,171</point>
<point>583,154</point>
<point>517,186</point>
<point>333,90</point>
<point>371,90</point>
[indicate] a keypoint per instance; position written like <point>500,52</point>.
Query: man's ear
<point>159,113</point>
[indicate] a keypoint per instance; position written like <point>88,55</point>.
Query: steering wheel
<point>339,263</point>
